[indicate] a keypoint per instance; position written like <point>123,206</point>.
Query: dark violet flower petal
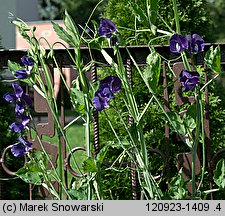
<point>27,61</point>
<point>98,104</point>
<point>112,82</point>
<point>21,74</point>
<point>27,99</point>
<point>102,98</point>
<point>195,43</point>
<point>11,98</point>
<point>108,86</point>
<point>107,28</point>
<point>189,79</point>
<point>19,149</point>
<point>25,142</point>
<point>25,120</point>
<point>19,109</point>
<point>18,90</point>
<point>107,94</point>
<point>17,127</point>
<point>178,43</point>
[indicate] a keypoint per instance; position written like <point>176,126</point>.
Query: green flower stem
<point>195,144</point>
<point>144,163</point>
<point>61,75</point>
<point>176,16</point>
<point>143,172</point>
<point>154,95</point>
<point>202,88</point>
<point>85,90</point>
<point>53,106</point>
<point>203,144</point>
<point>185,61</point>
<point>50,161</point>
<point>144,111</point>
<point>88,144</point>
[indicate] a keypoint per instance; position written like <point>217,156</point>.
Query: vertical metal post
<point>62,121</point>
<point>167,131</point>
<point>95,115</point>
<point>131,121</point>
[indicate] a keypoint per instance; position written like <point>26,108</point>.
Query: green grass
<point>75,136</point>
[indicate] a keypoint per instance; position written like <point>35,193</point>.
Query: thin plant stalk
<point>195,145</point>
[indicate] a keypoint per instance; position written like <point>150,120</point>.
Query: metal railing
<point>140,54</point>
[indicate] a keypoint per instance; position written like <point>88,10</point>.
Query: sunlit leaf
<point>213,59</point>
<point>89,165</point>
<point>219,174</point>
<point>152,70</point>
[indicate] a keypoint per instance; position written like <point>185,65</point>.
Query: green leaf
<point>21,25</point>
<point>189,122</point>
<point>63,34</point>
<point>177,121</point>
<point>153,9</point>
<point>89,165</point>
<point>78,95</point>
<point>102,153</point>
<point>93,89</point>
<point>13,66</point>
<point>31,173</point>
<point>153,69</point>
<point>139,13</point>
<point>219,174</point>
<point>178,186</point>
<point>213,59</point>
<point>72,29</point>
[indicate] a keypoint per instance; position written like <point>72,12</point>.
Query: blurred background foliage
<point>206,17</point>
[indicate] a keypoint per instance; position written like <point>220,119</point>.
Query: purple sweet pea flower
<point>27,61</point>
<point>25,120</point>
<point>107,28</point>
<point>189,79</point>
<point>20,107</point>
<point>17,127</point>
<point>11,98</point>
<point>22,74</point>
<point>21,148</point>
<point>112,82</point>
<point>195,43</point>
<point>19,97</point>
<point>108,87</point>
<point>17,90</point>
<point>178,43</point>
<point>102,98</point>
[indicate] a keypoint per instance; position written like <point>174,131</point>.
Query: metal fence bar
<point>139,53</point>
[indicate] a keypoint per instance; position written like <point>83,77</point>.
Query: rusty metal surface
<point>130,123</point>
<point>95,115</point>
<point>139,53</point>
